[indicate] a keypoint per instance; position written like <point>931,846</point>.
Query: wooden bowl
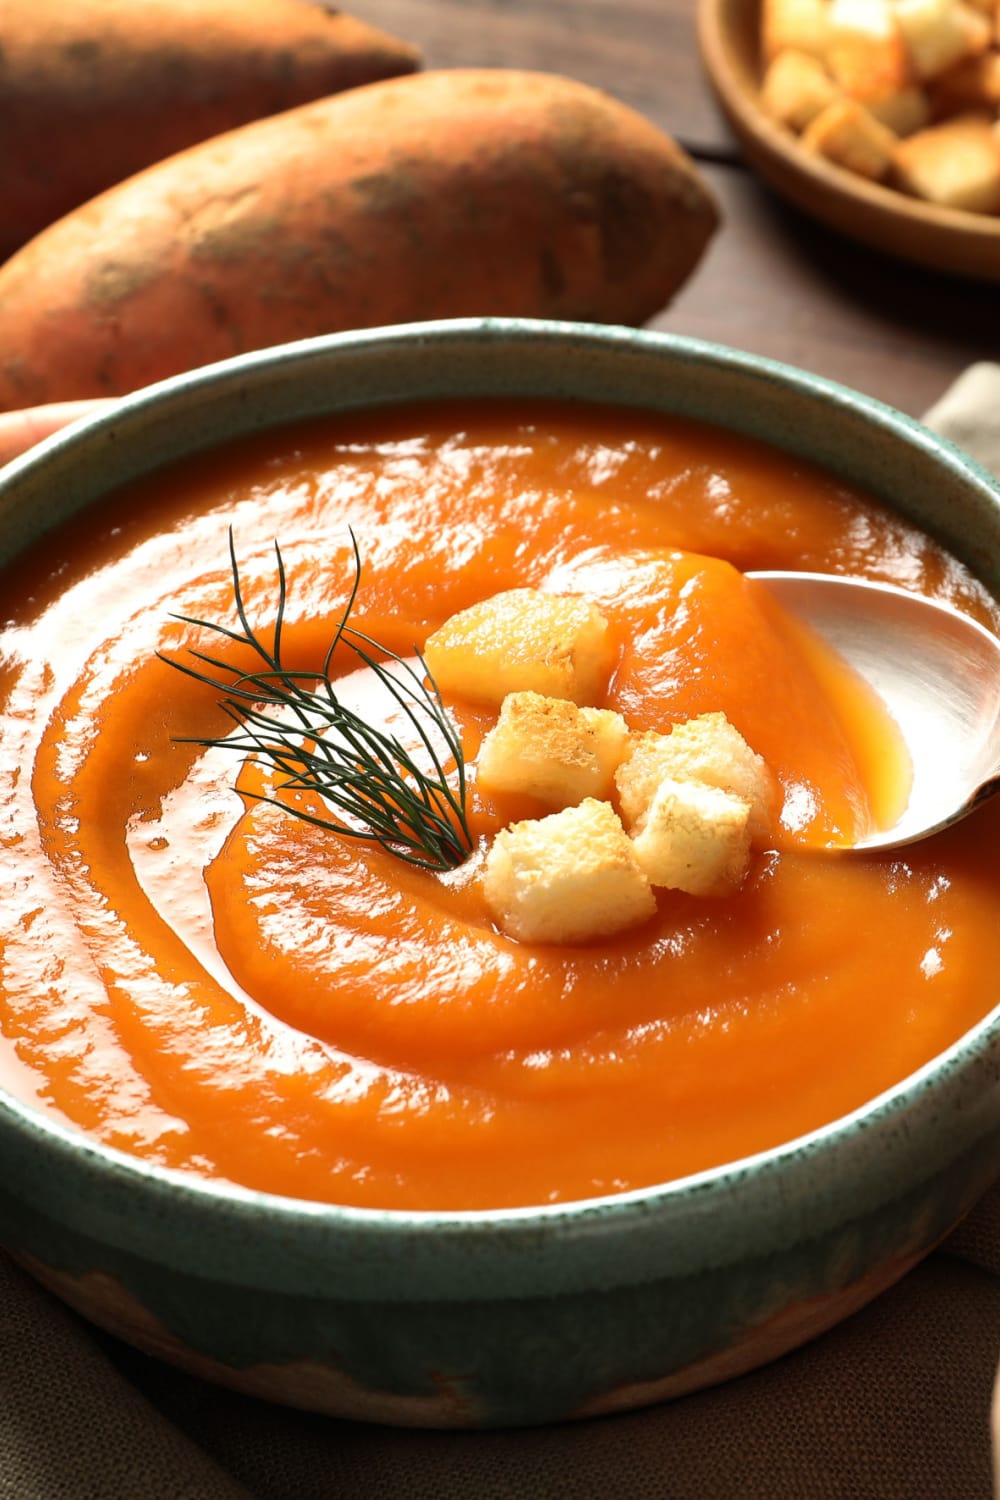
<point>944,239</point>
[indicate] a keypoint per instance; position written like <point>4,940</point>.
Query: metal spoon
<point>937,672</point>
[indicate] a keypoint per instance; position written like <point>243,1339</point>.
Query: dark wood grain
<point>776,284</point>
<point>644,51</point>
<point>773,283</point>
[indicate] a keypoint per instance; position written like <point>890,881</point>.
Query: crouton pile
<point>903,92</point>
<point>631,811</point>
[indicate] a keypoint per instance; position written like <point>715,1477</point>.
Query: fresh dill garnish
<point>322,746</point>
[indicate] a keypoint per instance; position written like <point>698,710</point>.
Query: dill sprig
<point>320,745</point>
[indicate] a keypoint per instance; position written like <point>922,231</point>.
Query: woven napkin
<point>893,1404</point>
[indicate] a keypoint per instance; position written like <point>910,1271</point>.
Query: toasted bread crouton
<point>956,164</point>
<point>849,135</point>
<point>707,749</point>
<point>795,88</point>
<point>869,61</point>
<point>866,53</point>
<point>551,749</point>
<point>903,111</point>
<point>566,878</point>
<point>694,838</point>
<point>971,86</point>
<point>523,641</point>
<point>940,33</point>
<point>799,24</point>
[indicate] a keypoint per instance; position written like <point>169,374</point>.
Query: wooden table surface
<point>772,282</point>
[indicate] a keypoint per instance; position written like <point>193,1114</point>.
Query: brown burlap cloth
<point>891,1405</point>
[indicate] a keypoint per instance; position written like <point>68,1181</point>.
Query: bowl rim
<point>183,1191</point>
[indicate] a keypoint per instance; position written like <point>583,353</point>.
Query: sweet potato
<point>436,195</point>
<point>92,91</point>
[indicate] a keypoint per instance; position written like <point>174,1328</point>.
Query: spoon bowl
<point>936,671</point>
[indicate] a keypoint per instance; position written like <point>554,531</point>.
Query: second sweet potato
<point>92,91</point>
<point>437,195</point>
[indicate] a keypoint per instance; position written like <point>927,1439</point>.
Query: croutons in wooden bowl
<point>918,175</point>
<point>309,1122</point>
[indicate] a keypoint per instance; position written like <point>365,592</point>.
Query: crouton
<point>849,135</point>
<point>971,86</point>
<point>799,24</point>
<point>902,111</point>
<point>567,878</point>
<point>694,838</point>
<point>866,54</point>
<point>523,641</point>
<point>939,33</point>
<point>956,163</point>
<point>707,749</point>
<point>551,749</point>
<point>795,88</point>
<point>868,60</point>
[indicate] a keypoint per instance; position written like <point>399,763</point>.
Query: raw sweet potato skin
<point>93,91</point>
<point>447,194</point>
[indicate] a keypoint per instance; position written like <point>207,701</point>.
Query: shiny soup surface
<point>205,980</point>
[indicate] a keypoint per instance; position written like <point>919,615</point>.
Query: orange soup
<point>212,983</point>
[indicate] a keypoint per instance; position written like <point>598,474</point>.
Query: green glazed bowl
<point>533,1315</point>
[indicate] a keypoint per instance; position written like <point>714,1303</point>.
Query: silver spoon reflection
<point>936,671</point>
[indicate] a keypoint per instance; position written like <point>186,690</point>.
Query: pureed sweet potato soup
<point>211,982</point>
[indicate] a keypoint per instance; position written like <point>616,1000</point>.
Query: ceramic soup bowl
<point>525,1315</point>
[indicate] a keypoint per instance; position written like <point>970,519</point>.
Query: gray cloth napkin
<point>968,414</point>
<point>891,1405</point>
